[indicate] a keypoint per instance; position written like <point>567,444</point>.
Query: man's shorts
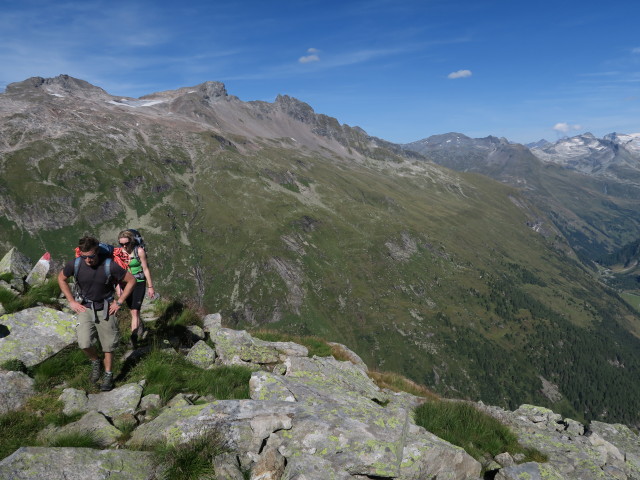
<point>92,324</point>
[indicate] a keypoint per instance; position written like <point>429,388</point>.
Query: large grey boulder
<point>36,334</point>
<point>245,424</point>
<point>18,265</point>
<point>317,379</point>
<point>92,423</point>
<point>123,400</point>
<point>235,347</point>
<point>37,463</point>
<point>15,390</point>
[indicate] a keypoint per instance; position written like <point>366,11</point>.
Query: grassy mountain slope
<point>313,227</point>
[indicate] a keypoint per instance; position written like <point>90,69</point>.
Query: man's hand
<point>77,306</point>
<point>113,308</point>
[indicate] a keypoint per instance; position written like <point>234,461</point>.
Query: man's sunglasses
<point>89,256</point>
<point>124,244</point>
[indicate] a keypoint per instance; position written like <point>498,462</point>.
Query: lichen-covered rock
<point>426,456</point>
<point>119,401</point>
<point>149,402</point>
<point>312,467</point>
<point>37,463</point>
<point>315,379</point>
<point>196,333</point>
<point>18,265</point>
<point>202,355</point>
<point>212,322</point>
<point>245,424</point>
<point>352,356</point>
<point>92,423</point>
<point>36,334</point>
<point>533,471</point>
<point>180,400</point>
<point>15,390</point>
<point>74,400</point>
<point>285,349</point>
<point>238,347</point>
<point>269,466</point>
<point>227,467</point>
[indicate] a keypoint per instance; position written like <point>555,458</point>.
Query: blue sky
<point>402,70</point>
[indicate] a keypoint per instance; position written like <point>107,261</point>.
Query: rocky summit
<point>305,417</point>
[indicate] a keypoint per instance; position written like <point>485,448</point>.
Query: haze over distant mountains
<point>282,218</point>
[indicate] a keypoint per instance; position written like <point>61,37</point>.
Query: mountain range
<point>588,187</point>
<point>282,218</point>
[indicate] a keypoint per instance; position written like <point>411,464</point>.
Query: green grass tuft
<point>46,294</point>
<point>75,440</point>
<point>168,374</point>
<point>69,365</point>
<point>189,461</point>
<point>463,425</point>
<point>6,277</point>
<point>14,365</point>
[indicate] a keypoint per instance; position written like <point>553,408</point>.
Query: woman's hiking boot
<point>107,382</point>
<point>133,341</point>
<point>96,370</point>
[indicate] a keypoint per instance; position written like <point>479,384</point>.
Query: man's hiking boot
<point>96,370</point>
<point>107,382</point>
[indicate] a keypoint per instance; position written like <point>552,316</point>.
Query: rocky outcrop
<point>306,419</point>
<point>600,451</point>
<point>322,419</point>
<point>36,334</point>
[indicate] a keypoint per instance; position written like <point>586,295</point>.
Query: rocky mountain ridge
<point>588,186</point>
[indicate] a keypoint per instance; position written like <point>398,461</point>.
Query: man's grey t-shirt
<point>92,280</point>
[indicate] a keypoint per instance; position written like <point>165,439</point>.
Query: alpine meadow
<point>284,219</point>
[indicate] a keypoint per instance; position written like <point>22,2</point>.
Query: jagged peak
<point>295,108</point>
<point>208,90</point>
<point>61,85</point>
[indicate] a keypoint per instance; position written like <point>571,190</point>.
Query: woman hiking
<point>136,260</point>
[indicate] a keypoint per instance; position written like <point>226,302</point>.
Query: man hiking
<point>95,277</point>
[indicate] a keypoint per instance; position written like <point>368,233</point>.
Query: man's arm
<point>66,291</point>
<point>128,288</point>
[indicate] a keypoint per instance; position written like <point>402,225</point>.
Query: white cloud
<point>636,50</point>
<point>312,57</point>
<point>565,127</point>
<point>460,74</point>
